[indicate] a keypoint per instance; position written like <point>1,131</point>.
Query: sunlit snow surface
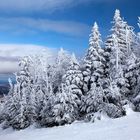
<point>125,128</point>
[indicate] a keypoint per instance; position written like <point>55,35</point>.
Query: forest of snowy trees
<point>57,90</point>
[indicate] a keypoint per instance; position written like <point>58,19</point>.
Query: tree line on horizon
<point>59,89</point>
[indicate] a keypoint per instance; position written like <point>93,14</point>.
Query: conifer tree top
<point>95,36</point>
<point>73,59</point>
<point>117,15</point>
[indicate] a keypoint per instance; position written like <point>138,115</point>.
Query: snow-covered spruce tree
<point>96,100</point>
<point>47,79</point>
<point>59,68</point>
<point>65,107</point>
<point>92,103</point>
<point>113,44</point>
<point>93,62</point>
<point>25,80</point>
<point>12,108</point>
<point>131,64</point>
<point>96,56</point>
<point>74,79</point>
<point>86,69</point>
<point>118,49</point>
<point>60,108</point>
<point>46,116</point>
<point>96,103</point>
<point>132,75</point>
<point>20,108</point>
<point>66,70</point>
<point>113,71</point>
<point>40,83</point>
<point>135,74</point>
<point>6,100</point>
<point>136,46</point>
<point>92,68</point>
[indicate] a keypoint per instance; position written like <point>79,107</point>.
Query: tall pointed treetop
<point>117,15</point>
<point>95,36</point>
<point>74,60</point>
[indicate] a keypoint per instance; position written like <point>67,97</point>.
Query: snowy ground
<point>126,128</point>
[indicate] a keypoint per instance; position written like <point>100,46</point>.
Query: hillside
<point>125,128</point>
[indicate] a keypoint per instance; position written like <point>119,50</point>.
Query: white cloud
<point>40,5</point>
<point>8,67</point>
<point>10,54</point>
<point>23,24</point>
<point>32,5</point>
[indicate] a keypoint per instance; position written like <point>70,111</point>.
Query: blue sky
<point>60,23</point>
<point>32,24</point>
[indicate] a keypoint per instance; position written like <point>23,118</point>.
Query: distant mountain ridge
<point>4,84</point>
<point>4,89</point>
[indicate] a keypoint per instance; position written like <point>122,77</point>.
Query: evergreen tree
<point>40,83</point>
<point>6,100</point>
<point>65,109</point>
<point>86,69</point>
<point>15,113</point>
<point>94,60</point>
<point>118,49</point>
<point>74,79</point>
<point>101,94</point>
<point>46,116</point>
<point>58,70</point>
<point>132,74</point>
<point>136,45</point>
<point>19,107</point>
<point>60,109</point>
<point>96,103</point>
<point>114,43</point>
<point>135,72</point>
<point>92,102</point>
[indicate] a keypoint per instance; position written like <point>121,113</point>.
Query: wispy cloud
<point>10,54</point>
<point>23,24</point>
<point>40,5</point>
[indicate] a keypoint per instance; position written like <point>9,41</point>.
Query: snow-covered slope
<point>125,128</point>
